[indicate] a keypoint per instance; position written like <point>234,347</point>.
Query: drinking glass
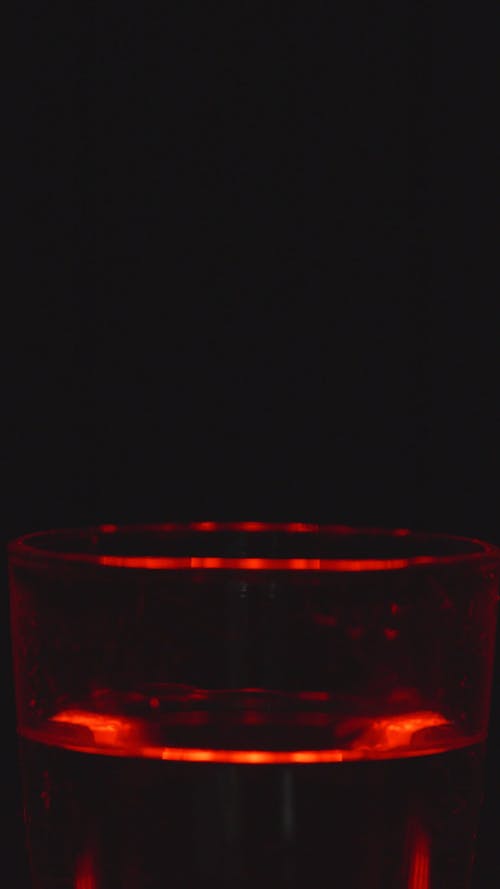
<point>252,705</point>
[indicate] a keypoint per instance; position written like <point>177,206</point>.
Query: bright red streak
<point>419,875</point>
<point>184,563</point>
<point>251,757</point>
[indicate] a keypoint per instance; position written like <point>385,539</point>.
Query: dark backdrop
<point>252,272</point>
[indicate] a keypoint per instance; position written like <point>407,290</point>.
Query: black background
<point>251,273</point>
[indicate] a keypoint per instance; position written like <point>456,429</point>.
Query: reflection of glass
<point>250,705</point>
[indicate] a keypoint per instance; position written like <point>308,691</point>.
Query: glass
<point>251,705</point>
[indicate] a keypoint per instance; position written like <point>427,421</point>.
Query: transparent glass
<point>252,705</point>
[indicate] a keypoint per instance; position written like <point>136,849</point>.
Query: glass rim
<point>28,548</point>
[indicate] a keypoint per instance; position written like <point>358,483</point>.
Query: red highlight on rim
<point>95,546</point>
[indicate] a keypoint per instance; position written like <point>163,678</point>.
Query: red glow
<point>85,877</point>
<point>251,757</point>
<point>377,739</point>
<point>57,545</point>
<point>203,526</point>
<point>183,563</point>
<point>106,730</point>
<point>393,732</point>
<point>292,527</point>
<point>390,633</point>
<point>250,526</point>
<point>419,870</point>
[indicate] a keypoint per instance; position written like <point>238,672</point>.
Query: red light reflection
<point>52,547</point>
<point>203,526</point>
<point>182,563</point>
<point>250,757</point>
<point>85,877</point>
<point>107,731</point>
<point>419,864</point>
<point>393,732</point>
<point>390,633</point>
<point>376,739</point>
<point>294,527</point>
